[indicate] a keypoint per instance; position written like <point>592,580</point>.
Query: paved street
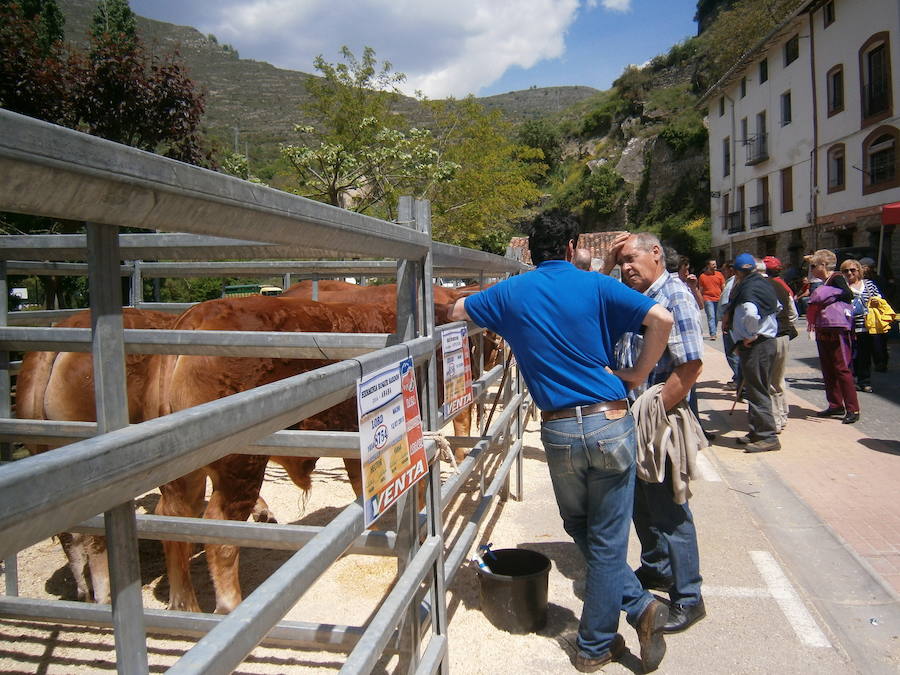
<point>828,501</point>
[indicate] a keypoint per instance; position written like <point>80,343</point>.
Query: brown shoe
<point>587,664</point>
<point>650,634</point>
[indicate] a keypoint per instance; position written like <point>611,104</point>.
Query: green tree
<point>189,289</point>
<point>236,164</point>
<point>34,74</point>
<point>123,95</point>
<point>48,21</point>
<point>494,183</point>
<point>115,92</point>
<point>632,86</point>
<point>545,136</point>
<point>676,107</point>
<point>114,21</point>
<point>594,194</point>
<point>357,153</point>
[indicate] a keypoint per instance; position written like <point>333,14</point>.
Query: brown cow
<point>336,291</point>
<point>340,291</point>
<point>187,381</point>
<point>177,382</point>
<point>60,386</point>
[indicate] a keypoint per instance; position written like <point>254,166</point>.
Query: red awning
<point>890,214</point>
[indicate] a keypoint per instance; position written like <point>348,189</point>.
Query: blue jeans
<point>711,307</point>
<point>668,538</point>
<point>591,462</point>
<point>731,355</point>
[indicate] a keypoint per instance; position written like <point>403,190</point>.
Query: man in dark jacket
<point>752,318</point>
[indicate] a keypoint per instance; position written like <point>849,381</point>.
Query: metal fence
<point>51,171</point>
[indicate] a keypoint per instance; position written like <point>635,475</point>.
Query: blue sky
<point>446,48</point>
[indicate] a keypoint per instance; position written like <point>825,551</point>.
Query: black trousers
<point>880,351</point>
<point>756,367</point>
<point>862,358</point>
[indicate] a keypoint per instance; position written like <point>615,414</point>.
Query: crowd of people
<point>612,364</point>
<point>848,351</point>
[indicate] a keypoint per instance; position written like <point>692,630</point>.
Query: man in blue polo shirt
<point>562,324</point>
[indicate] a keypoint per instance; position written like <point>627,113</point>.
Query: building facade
<point>804,137</point>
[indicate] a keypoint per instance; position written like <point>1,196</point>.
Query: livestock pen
<point>196,214</point>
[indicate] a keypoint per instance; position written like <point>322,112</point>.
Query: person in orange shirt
<point>711,283</point>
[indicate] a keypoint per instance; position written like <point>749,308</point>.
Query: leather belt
<point>603,406</point>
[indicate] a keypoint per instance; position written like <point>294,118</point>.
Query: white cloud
<point>445,49</point>
<point>614,5</point>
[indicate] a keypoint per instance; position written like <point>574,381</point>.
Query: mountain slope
<point>261,101</point>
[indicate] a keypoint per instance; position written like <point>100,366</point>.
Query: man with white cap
<point>752,318</point>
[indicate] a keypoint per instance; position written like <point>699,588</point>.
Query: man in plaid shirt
<point>670,559</point>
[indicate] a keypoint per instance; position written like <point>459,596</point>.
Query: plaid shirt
<point>685,340</point>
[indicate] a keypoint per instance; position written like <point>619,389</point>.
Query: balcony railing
<point>759,215</point>
<point>757,149</point>
<point>735,221</point>
<point>876,99</point>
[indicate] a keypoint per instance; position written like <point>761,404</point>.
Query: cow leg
<point>73,547</point>
<point>236,482</point>
<point>182,497</point>
<point>354,473</point>
<point>99,564</point>
<point>462,424</point>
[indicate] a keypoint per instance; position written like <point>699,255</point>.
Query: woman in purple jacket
<point>835,347</point>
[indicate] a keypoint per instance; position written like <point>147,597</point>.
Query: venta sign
<point>390,437</point>
<point>457,370</point>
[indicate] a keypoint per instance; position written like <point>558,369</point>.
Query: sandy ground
<point>349,593</point>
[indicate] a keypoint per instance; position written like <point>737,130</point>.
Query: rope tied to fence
<point>445,452</point>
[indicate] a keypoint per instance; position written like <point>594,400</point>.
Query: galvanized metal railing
<point>55,172</point>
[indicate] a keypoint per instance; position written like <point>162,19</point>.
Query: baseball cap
<point>868,262</point>
<point>745,261</point>
<point>771,262</point>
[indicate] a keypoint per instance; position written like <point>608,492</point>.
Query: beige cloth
<point>675,434</point>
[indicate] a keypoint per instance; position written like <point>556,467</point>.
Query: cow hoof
<point>264,517</point>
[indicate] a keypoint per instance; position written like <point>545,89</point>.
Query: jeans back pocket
<point>559,458</point>
<point>615,454</point>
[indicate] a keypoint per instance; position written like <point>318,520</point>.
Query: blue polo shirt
<point>562,324</point>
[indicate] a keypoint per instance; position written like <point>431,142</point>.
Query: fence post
<point>426,301</point>
<point>5,407</point>
<point>439,623</point>
<point>137,284</point>
<point>108,352</point>
<point>407,511</point>
<point>520,433</point>
<point>11,564</point>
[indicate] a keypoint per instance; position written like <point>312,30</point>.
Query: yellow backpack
<point>880,315</point>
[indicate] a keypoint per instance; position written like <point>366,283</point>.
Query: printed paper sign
<point>390,436</point>
<point>457,370</point>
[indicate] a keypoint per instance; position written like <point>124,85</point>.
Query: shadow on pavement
<point>890,447</point>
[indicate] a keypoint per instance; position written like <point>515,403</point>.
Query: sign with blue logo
<point>390,437</point>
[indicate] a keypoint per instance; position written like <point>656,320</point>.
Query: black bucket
<point>514,590</point>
